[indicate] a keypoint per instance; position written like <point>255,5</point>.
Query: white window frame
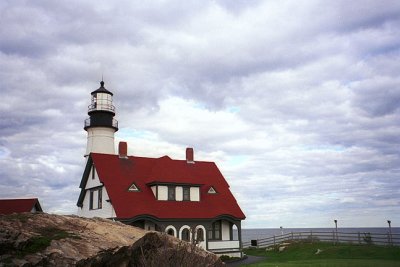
<point>133,188</point>
<point>171,227</point>
<point>181,230</point>
<point>93,201</point>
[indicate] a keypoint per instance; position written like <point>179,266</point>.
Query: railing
<point>99,106</point>
<point>334,237</point>
<point>88,123</point>
<point>223,244</point>
<point>225,247</point>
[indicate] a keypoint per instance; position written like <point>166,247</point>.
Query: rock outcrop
<point>39,239</point>
<point>154,249</point>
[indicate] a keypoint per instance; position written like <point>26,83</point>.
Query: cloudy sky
<point>296,101</point>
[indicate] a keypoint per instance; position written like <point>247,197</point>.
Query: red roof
<point>118,174</point>
<point>8,206</point>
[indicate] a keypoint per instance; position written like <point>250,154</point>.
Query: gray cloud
<point>295,101</point>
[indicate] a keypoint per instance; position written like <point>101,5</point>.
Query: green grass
<point>303,254</point>
<point>21,217</point>
<point>329,263</point>
<point>39,243</point>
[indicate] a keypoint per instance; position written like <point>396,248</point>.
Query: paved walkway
<point>248,260</point>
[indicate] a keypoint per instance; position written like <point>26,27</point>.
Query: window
<point>133,188</point>
<point>94,101</point>
<point>186,193</point>
<point>200,235</point>
<point>171,192</point>
<point>93,172</point>
<point>91,200</point>
<point>100,202</point>
<point>171,232</point>
<point>186,235</point>
<point>212,190</point>
<point>96,201</point>
<point>214,232</point>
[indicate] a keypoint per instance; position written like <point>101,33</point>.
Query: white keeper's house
<point>186,198</point>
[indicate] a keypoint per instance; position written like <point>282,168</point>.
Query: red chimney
<point>123,150</point>
<point>189,155</point>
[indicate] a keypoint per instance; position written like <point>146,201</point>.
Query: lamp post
<point>390,232</point>
<point>336,231</point>
<point>281,230</point>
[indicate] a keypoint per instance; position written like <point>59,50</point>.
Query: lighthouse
<point>101,125</point>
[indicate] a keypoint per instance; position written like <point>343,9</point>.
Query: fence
<point>333,237</point>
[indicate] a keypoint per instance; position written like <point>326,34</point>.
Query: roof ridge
<point>19,198</point>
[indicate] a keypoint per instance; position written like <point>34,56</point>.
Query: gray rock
<point>40,239</point>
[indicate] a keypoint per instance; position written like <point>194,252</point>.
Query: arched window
<point>171,232</point>
<point>186,235</point>
<point>200,234</point>
<point>234,232</point>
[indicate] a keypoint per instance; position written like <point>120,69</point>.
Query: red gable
<point>118,174</point>
<point>8,206</point>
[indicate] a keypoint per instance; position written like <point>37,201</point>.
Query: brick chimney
<point>123,150</point>
<point>189,155</point>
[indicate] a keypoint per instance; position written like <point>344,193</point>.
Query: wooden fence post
<point>292,235</point>
<point>359,238</point>
<point>334,239</point>
<point>311,237</point>
<point>274,240</point>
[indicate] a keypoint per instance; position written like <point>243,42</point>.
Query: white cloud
<point>295,101</point>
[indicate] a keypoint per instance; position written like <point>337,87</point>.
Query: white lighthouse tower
<point>101,124</point>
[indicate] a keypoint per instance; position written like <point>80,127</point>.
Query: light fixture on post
<point>390,233</point>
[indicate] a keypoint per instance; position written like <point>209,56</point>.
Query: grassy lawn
<point>304,254</point>
<point>329,263</point>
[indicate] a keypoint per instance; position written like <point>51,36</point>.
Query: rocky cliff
<point>40,239</point>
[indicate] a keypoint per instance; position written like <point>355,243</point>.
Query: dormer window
<point>175,191</point>
<point>133,188</point>
<point>186,193</point>
<point>171,192</point>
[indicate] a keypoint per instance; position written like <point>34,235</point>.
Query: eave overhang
<point>156,219</point>
<point>85,177</point>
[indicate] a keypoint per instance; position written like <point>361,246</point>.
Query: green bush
<point>226,258</point>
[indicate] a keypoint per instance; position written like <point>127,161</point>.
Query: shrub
<point>39,243</point>
<point>226,258</point>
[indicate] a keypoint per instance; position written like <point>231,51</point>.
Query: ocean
<point>250,234</point>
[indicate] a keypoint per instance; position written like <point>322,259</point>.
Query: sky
<point>297,102</point>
